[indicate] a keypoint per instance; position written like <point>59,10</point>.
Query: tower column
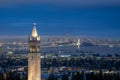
<point>34,61</point>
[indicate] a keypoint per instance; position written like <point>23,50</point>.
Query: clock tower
<point>34,61</point>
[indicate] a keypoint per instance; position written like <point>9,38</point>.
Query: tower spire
<point>34,31</point>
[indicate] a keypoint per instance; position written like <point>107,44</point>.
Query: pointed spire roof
<point>34,31</point>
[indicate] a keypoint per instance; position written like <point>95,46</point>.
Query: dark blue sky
<point>60,19</point>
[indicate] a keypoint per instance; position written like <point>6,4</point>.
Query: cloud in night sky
<point>59,17</point>
<point>61,2</point>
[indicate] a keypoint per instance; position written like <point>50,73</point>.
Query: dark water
<point>103,50</point>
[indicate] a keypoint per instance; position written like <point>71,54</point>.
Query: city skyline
<point>59,39</point>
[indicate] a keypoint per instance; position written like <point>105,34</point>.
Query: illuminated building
<point>78,43</point>
<point>34,62</point>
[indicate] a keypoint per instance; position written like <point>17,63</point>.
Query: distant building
<point>34,67</point>
<point>78,43</point>
<point>0,48</point>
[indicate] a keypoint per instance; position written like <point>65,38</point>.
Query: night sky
<point>60,17</point>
